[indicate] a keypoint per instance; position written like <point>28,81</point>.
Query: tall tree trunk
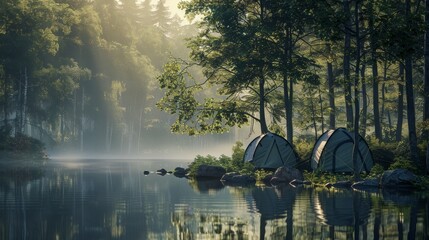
<point>18,105</point>
<point>400,103</point>
<point>313,116</point>
<point>5,99</point>
<point>375,90</point>
<point>356,96</point>
<point>288,88</point>
<point>331,96</point>
<point>346,65</point>
<point>385,111</point>
<point>426,70</point>
<point>362,129</point>
<point>24,102</point>
<point>82,118</point>
<point>322,116</point>
<point>140,130</point>
<point>364,103</point>
<point>262,119</point>
<point>411,112</point>
<point>425,134</point>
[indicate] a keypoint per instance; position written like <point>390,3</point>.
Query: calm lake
<point>113,199</point>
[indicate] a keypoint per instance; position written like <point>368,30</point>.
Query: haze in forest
<point>133,78</point>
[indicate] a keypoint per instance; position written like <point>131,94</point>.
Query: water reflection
<point>115,200</point>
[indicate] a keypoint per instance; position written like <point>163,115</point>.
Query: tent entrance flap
<point>273,155</point>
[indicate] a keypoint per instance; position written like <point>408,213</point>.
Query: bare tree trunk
<point>82,119</point>
<point>346,65</point>
<point>426,71</point>
<point>18,105</point>
<point>24,102</point>
<point>425,134</point>
<point>5,99</point>
<point>262,119</point>
<point>400,103</point>
<point>411,110</point>
<point>356,95</point>
<point>375,90</point>
<point>364,102</point>
<point>331,96</point>
<point>313,116</point>
<point>288,86</point>
<point>140,130</point>
<point>322,116</point>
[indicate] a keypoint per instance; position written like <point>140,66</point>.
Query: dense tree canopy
<point>263,54</point>
<point>76,72</point>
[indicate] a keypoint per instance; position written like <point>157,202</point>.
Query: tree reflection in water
<point>117,201</point>
<point>285,212</point>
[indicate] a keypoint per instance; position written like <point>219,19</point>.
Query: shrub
<point>201,160</point>
<point>260,174</point>
<point>234,163</point>
<point>304,148</point>
<point>376,170</point>
<point>404,163</point>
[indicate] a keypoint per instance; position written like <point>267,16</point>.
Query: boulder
<point>208,171</point>
<point>286,175</point>
<point>267,179</point>
<point>366,184</point>
<point>161,171</point>
<point>398,178</point>
<point>234,178</point>
<point>179,172</point>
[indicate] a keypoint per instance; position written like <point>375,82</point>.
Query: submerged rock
<point>208,171</point>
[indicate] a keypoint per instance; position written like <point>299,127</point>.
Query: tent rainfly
<point>270,151</point>
<point>333,152</point>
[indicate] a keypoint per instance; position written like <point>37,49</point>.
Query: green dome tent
<point>333,153</point>
<point>270,151</point>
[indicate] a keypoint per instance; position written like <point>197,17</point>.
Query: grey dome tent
<point>270,151</point>
<point>333,153</point>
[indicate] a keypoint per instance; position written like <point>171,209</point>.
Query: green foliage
<point>201,160</point>
<point>231,164</point>
<point>404,163</point>
<point>376,171</point>
<point>304,148</point>
<point>195,117</point>
<point>322,178</point>
<point>261,174</point>
<point>22,144</point>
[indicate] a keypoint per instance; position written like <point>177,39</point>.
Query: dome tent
<point>333,152</point>
<point>270,151</point>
